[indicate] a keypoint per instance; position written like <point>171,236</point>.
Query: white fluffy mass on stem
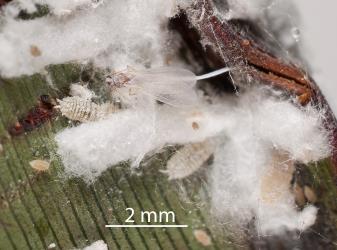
<point>246,171</point>
<point>59,7</point>
<point>89,149</point>
<point>254,128</point>
<point>112,34</point>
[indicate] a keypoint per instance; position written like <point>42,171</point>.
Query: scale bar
<point>116,226</point>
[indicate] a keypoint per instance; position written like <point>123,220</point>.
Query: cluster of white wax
<point>244,161</point>
<point>251,127</point>
<point>109,33</point>
<point>97,245</point>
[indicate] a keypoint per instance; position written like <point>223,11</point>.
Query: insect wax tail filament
<point>213,73</point>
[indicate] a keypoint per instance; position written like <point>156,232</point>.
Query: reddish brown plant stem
<point>38,115</point>
<point>4,2</point>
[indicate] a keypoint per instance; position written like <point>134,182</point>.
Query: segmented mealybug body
<point>84,110</point>
<point>188,159</point>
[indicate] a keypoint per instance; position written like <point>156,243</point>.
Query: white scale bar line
<point>146,226</point>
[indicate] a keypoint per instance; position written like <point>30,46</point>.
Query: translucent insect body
<point>170,85</point>
<point>188,160</point>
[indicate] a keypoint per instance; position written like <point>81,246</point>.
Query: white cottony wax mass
<point>255,128</point>
<point>112,34</point>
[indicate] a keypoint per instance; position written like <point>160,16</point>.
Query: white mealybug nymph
<point>84,110</point>
<point>170,85</point>
<point>188,159</point>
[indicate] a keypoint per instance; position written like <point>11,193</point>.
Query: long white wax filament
<point>213,73</point>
